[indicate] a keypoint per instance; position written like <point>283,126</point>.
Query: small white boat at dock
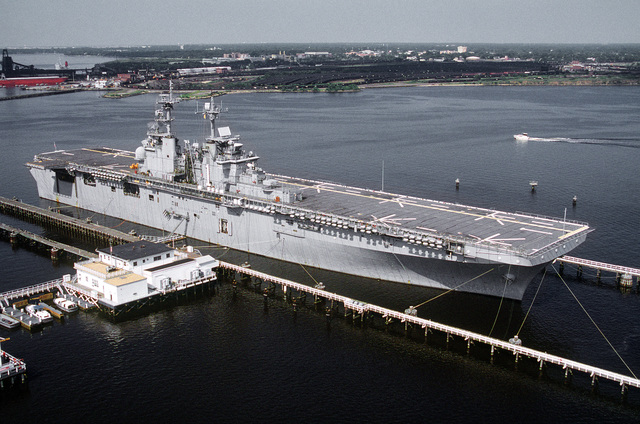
<point>66,305</point>
<point>8,322</point>
<point>38,311</point>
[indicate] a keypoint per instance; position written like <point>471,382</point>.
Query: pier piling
<point>357,309</point>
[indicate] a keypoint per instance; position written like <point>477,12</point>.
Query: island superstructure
<point>214,191</point>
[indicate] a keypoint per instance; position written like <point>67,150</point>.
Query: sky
<point>100,23</point>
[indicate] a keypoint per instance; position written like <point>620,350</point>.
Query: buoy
<point>457,183</point>
<point>533,185</point>
<point>575,200</point>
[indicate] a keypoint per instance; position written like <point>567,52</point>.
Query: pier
<point>88,230</point>
<point>40,94</point>
<point>362,310</point>
<point>19,236</point>
<point>14,310</point>
<point>12,369</point>
<point>624,274</point>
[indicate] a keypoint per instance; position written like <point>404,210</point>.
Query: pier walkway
<point>29,291</point>
<point>624,274</point>
<point>46,217</point>
<point>57,246</point>
<point>518,351</point>
<point>619,269</point>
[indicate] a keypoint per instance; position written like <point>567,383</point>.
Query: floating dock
<point>361,310</point>
<point>26,320</point>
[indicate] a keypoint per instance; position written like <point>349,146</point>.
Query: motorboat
<point>37,311</point>
<point>521,137</point>
<point>65,304</point>
<point>8,322</point>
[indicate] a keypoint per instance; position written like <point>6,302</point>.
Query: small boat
<point>39,312</point>
<point>8,322</point>
<point>65,304</point>
<point>521,137</point>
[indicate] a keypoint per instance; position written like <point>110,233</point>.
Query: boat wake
<point>621,142</point>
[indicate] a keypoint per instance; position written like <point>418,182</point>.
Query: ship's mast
<point>163,116</point>
<point>212,111</point>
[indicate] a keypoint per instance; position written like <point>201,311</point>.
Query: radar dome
<point>140,153</point>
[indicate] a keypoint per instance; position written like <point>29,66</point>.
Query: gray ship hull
<point>215,192</point>
<point>277,236</point>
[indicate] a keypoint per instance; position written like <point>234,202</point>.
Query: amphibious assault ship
<point>214,191</point>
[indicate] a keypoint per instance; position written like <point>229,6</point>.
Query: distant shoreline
<point>203,93</point>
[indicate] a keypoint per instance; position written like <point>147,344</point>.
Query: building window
<point>157,258</point>
<point>168,255</point>
<point>151,197</point>
<point>135,263</point>
<point>224,226</point>
<point>113,188</point>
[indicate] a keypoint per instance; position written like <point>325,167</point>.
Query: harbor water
<point>223,358</point>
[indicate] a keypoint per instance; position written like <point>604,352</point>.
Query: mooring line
<point>594,323</point>
<point>305,270</point>
<point>452,289</point>
<point>532,302</point>
<point>504,290</point>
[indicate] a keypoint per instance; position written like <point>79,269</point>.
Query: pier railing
<point>30,290</point>
<point>600,265</point>
<point>518,350</point>
<point>244,201</point>
<point>12,367</point>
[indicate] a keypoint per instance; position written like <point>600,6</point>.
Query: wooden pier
<point>409,317</point>
<point>17,235</point>
<point>30,291</point>
<point>624,274</point>
<point>88,230</point>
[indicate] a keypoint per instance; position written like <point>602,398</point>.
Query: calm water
<point>220,359</point>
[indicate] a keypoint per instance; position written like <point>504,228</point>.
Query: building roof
<point>169,265</point>
<point>135,250</point>
<point>127,278</point>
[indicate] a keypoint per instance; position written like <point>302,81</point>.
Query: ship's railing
<point>551,218</point>
<point>231,200</point>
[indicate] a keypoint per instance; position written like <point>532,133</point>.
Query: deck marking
<point>444,208</point>
<point>427,229</point>
<point>535,231</point>
<point>390,219</point>
<point>109,153</point>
